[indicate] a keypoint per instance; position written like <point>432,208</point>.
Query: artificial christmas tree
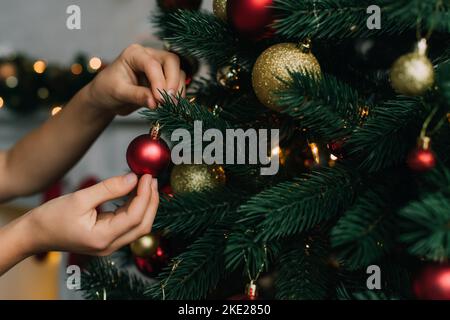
<point>316,225</point>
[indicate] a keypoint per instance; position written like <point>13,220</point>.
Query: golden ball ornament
<point>220,9</point>
<point>186,178</point>
<point>272,70</point>
<point>145,246</point>
<point>229,76</point>
<point>413,73</point>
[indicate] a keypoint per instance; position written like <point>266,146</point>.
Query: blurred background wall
<point>38,29</point>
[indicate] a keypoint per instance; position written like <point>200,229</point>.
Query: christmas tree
<point>360,205</point>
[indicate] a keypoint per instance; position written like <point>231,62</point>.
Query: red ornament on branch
<point>433,282</point>
<point>148,154</point>
<point>422,158</point>
<point>251,18</point>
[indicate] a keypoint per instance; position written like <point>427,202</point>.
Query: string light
<point>76,69</point>
<point>95,63</point>
<point>11,82</point>
<point>43,93</point>
<point>2,102</point>
<point>56,110</point>
<point>315,152</point>
<point>39,66</point>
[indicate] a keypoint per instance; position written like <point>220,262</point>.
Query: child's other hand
<point>71,223</point>
<point>118,87</point>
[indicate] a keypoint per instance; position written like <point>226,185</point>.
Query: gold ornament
<point>145,246</point>
<point>229,77</point>
<point>220,9</point>
<point>272,68</point>
<point>413,74</point>
<point>186,178</point>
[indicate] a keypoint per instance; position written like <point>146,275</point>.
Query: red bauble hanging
<point>171,5</point>
<point>433,282</point>
<point>251,18</point>
<point>154,261</point>
<point>422,158</point>
<point>148,154</point>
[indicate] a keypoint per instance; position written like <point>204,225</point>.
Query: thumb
<point>109,189</point>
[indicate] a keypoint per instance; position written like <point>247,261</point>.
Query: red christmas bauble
<point>421,160</point>
<point>148,155</point>
<point>433,282</point>
<point>170,5</point>
<point>251,18</point>
<point>152,265</point>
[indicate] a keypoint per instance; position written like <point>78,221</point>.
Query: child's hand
<point>118,87</point>
<point>71,223</point>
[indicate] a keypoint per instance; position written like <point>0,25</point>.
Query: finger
<point>142,61</point>
<point>130,216</point>
<point>107,190</point>
<point>138,95</point>
<point>182,85</point>
<point>171,67</point>
<point>146,225</point>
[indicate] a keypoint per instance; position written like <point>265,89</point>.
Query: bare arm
<point>50,151</point>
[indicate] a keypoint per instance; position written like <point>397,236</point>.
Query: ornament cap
<point>305,45</point>
<point>154,132</point>
<point>424,143</point>
<point>422,47</point>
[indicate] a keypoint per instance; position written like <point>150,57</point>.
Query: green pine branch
<point>195,272</point>
<point>364,233</point>
<point>341,19</point>
<point>193,213</point>
<point>327,107</point>
<point>388,135</point>
<point>292,207</point>
<point>303,272</point>
<point>426,226</point>
<point>104,280</point>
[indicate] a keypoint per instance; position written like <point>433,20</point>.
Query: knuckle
<point>172,57</point>
<point>131,48</point>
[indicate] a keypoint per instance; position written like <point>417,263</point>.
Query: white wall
<point>38,27</point>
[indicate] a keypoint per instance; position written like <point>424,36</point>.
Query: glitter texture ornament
<point>187,178</point>
<point>220,9</point>
<point>413,74</point>
<point>272,68</point>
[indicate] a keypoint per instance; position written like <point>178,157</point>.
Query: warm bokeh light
<point>95,63</point>
<point>315,152</point>
<point>11,82</point>
<point>2,102</point>
<point>333,157</point>
<point>39,66</point>
<point>56,110</point>
<point>43,93</point>
<point>76,69</point>
<point>7,70</point>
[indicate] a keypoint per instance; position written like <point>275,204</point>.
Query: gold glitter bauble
<point>229,77</point>
<point>220,9</point>
<point>412,74</point>
<point>145,246</point>
<point>186,178</point>
<point>273,66</point>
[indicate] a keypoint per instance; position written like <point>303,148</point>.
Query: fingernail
<point>155,183</point>
<point>130,178</point>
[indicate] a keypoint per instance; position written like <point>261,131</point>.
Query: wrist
<point>92,106</point>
